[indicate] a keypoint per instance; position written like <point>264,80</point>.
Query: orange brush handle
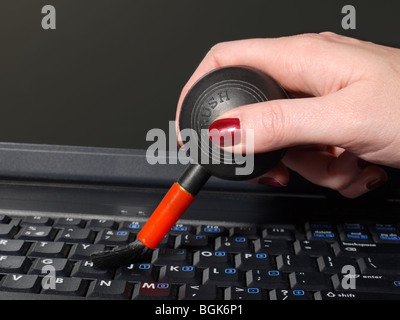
<point>168,212</point>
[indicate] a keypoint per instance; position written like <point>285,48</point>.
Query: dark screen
<point>114,69</point>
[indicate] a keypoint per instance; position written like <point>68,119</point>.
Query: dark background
<point>114,69</point>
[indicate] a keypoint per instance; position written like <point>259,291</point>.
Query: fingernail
<point>225,132</point>
<point>375,183</point>
<point>271,182</point>
<point>362,164</point>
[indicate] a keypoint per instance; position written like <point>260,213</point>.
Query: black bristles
<point>118,257</point>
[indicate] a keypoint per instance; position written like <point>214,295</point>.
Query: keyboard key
<point>249,232</point>
<point>180,228</point>
<point>292,263</point>
<point>67,287</point>
<point>13,247</point>
<point>114,237</point>
<point>312,248</point>
<point>220,276</point>
<point>274,247</point>
<point>321,231</point>
<point>369,283</point>
<point>76,235</point>
<point>205,259</point>
<point>249,261</point>
<point>351,295</point>
<point>100,224</point>
<point>242,293</point>
<point>62,267</point>
<point>14,264</point>
<point>36,220</point>
<point>36,233</point>
<point>136,272</point>
<point>266,279</point>
<point>192,241</point>
<point>179,275</point>
<point>83,251</point>
<point>387,237</point>
<point>278,233</point>
<point>154,291</point>
<point>212,231</point>
<point>110,289</point>
<point>332,265</point>
<point>353,227</point>
<point>198,292</point>
<point>7,231</point>
<point>290,295</point>
<point>69,222</point>
<point>164,256</point>
<point>131,226</point>
<point>232,244</point>
<point>48,249</point>
<point>379,227</point>
<point>318,234</point>
<point>309,281</point>
<point>355,236</point>
<point>21,283</point>
<point>356,250</point>
<point>85,269</point>
<point>388,265</point>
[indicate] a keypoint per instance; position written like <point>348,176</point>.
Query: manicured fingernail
<point>271,182</point>
<point>375,183</point>
<point>225,132</point>
<point>362,164</point>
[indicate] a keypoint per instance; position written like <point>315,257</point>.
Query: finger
<point>345,173</point>
<point>323,168</point>
<point>298,63</point>
<point>279,124</point>
<point>276,177</point>
<point>372,177</point>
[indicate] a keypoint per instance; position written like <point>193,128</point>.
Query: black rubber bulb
<point>218,91</point>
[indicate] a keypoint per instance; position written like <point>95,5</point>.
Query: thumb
<point>277,124</point>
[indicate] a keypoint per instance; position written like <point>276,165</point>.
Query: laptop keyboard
<point>50,256</point>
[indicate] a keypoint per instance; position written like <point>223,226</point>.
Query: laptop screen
<point>112,70</point>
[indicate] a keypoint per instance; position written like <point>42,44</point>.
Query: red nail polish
<point>271,182</point>
<point>375,183</point>
<point>225,132</point>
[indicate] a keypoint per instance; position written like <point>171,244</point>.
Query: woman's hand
<point>350,120</point>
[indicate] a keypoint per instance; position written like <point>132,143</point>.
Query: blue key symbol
<point>240,239</point>
<point>396,283</point>
<point>253,290</point>
<point>230,270</point>
<point>273,273</point>
<point>219,253</point>
<point>144,266</point>
<point>187,268</point>
<point>298,292</point>
<point>261,255</point>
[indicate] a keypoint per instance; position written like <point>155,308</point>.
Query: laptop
<point>77,101</point>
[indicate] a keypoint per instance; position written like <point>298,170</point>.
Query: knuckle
<point>274,123</point>
<point>216,51</point>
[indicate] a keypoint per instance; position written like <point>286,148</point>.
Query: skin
<point>351,111</point>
